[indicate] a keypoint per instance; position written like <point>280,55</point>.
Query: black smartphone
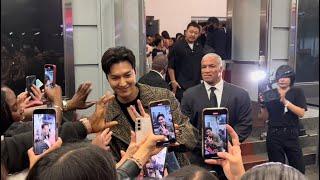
<point>29,81</point>
<point>49,75</point>
<point>214,132</point>
<point>161,121</point>
<point>156,165</point>
<point>45,129</point>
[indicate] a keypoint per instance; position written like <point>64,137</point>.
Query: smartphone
<point>172,163</point>
<point>29,81</point>
<point>142,128</point>
<point>45,129</point>
<point>161,121</point>
<point>156,165</point>
<point>214,132</point>
<point>49,75</point>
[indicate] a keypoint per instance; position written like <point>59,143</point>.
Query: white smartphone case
<point>143,128</point>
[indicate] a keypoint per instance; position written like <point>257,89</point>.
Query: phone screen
<point>155,167</point>
<point>49,75</point>
<point>162,123</point>
<point>29,81</point>
<point>44,129</point>
<point>214,133</point>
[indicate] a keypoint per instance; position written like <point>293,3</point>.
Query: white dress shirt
<point>218,91</point>
<point>157,73</point>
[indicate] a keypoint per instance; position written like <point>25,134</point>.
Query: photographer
<point>283,114</point>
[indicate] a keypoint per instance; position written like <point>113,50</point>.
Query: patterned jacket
<point>121,132</point>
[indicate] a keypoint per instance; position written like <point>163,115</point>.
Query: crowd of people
<point>194,77</point>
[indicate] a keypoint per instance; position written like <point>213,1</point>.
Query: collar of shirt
<point>218,91</point>
<point>158,73</point>
<point>191,45</point>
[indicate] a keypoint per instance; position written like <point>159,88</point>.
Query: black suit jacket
<point>154,79</point>
<point>234,98</point>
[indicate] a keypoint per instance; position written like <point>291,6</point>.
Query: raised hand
<point>103,139</point>
<point>231,161</point>
<point>33,158</point>
<point>134,113</point>
<point>79,99</point>
<point>98,118</point>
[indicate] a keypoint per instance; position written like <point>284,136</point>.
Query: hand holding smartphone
<point>45,132</point>
<point>161,121</point>
<point>156,165</point>
<point>30,80</point>
<point>50,75</point>
<point>214,132</point>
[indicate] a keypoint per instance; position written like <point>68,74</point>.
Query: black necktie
<point>213,97</point>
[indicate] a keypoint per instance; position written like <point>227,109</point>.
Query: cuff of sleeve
<point>130,168</point>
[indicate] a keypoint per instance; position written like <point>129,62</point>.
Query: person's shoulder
<point>194,89</point>
<point>235,88</point>
<point>296,90</point>
<point>144,88</point>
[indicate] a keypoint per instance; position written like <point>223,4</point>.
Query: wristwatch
<point>64,105</point>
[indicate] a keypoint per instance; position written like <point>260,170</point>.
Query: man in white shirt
<point>235,98</point>
<point>214,92</point>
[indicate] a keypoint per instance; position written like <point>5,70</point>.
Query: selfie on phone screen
<point>48,76</point>
<point>155,167</point>
<point>44,131</point>
<point>215,135</point>
<point>162,121</point>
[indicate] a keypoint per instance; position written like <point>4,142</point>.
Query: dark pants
<point>283,142</point>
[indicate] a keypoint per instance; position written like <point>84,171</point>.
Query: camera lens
<point>139,129</point>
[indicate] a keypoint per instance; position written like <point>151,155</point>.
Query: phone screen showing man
<point>155,167</point>
<point>162,122</point>
<point>48,76</point>
<point>44,132</point>
<point>215,134</point>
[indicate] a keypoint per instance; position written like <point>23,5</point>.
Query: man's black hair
<point>116,55</point>
<point>193,24</point>
<point>165,34</point>
<point>44,124</point>
<point>213,20</point>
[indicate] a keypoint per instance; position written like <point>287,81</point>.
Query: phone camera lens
<point>139,129</point>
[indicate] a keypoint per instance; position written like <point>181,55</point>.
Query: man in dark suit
<point>227,95</point>
<point>155,77</point>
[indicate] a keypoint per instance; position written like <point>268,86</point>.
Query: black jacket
<point>217,39</point>
<point>186,62</point>
<point>154,79</point>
